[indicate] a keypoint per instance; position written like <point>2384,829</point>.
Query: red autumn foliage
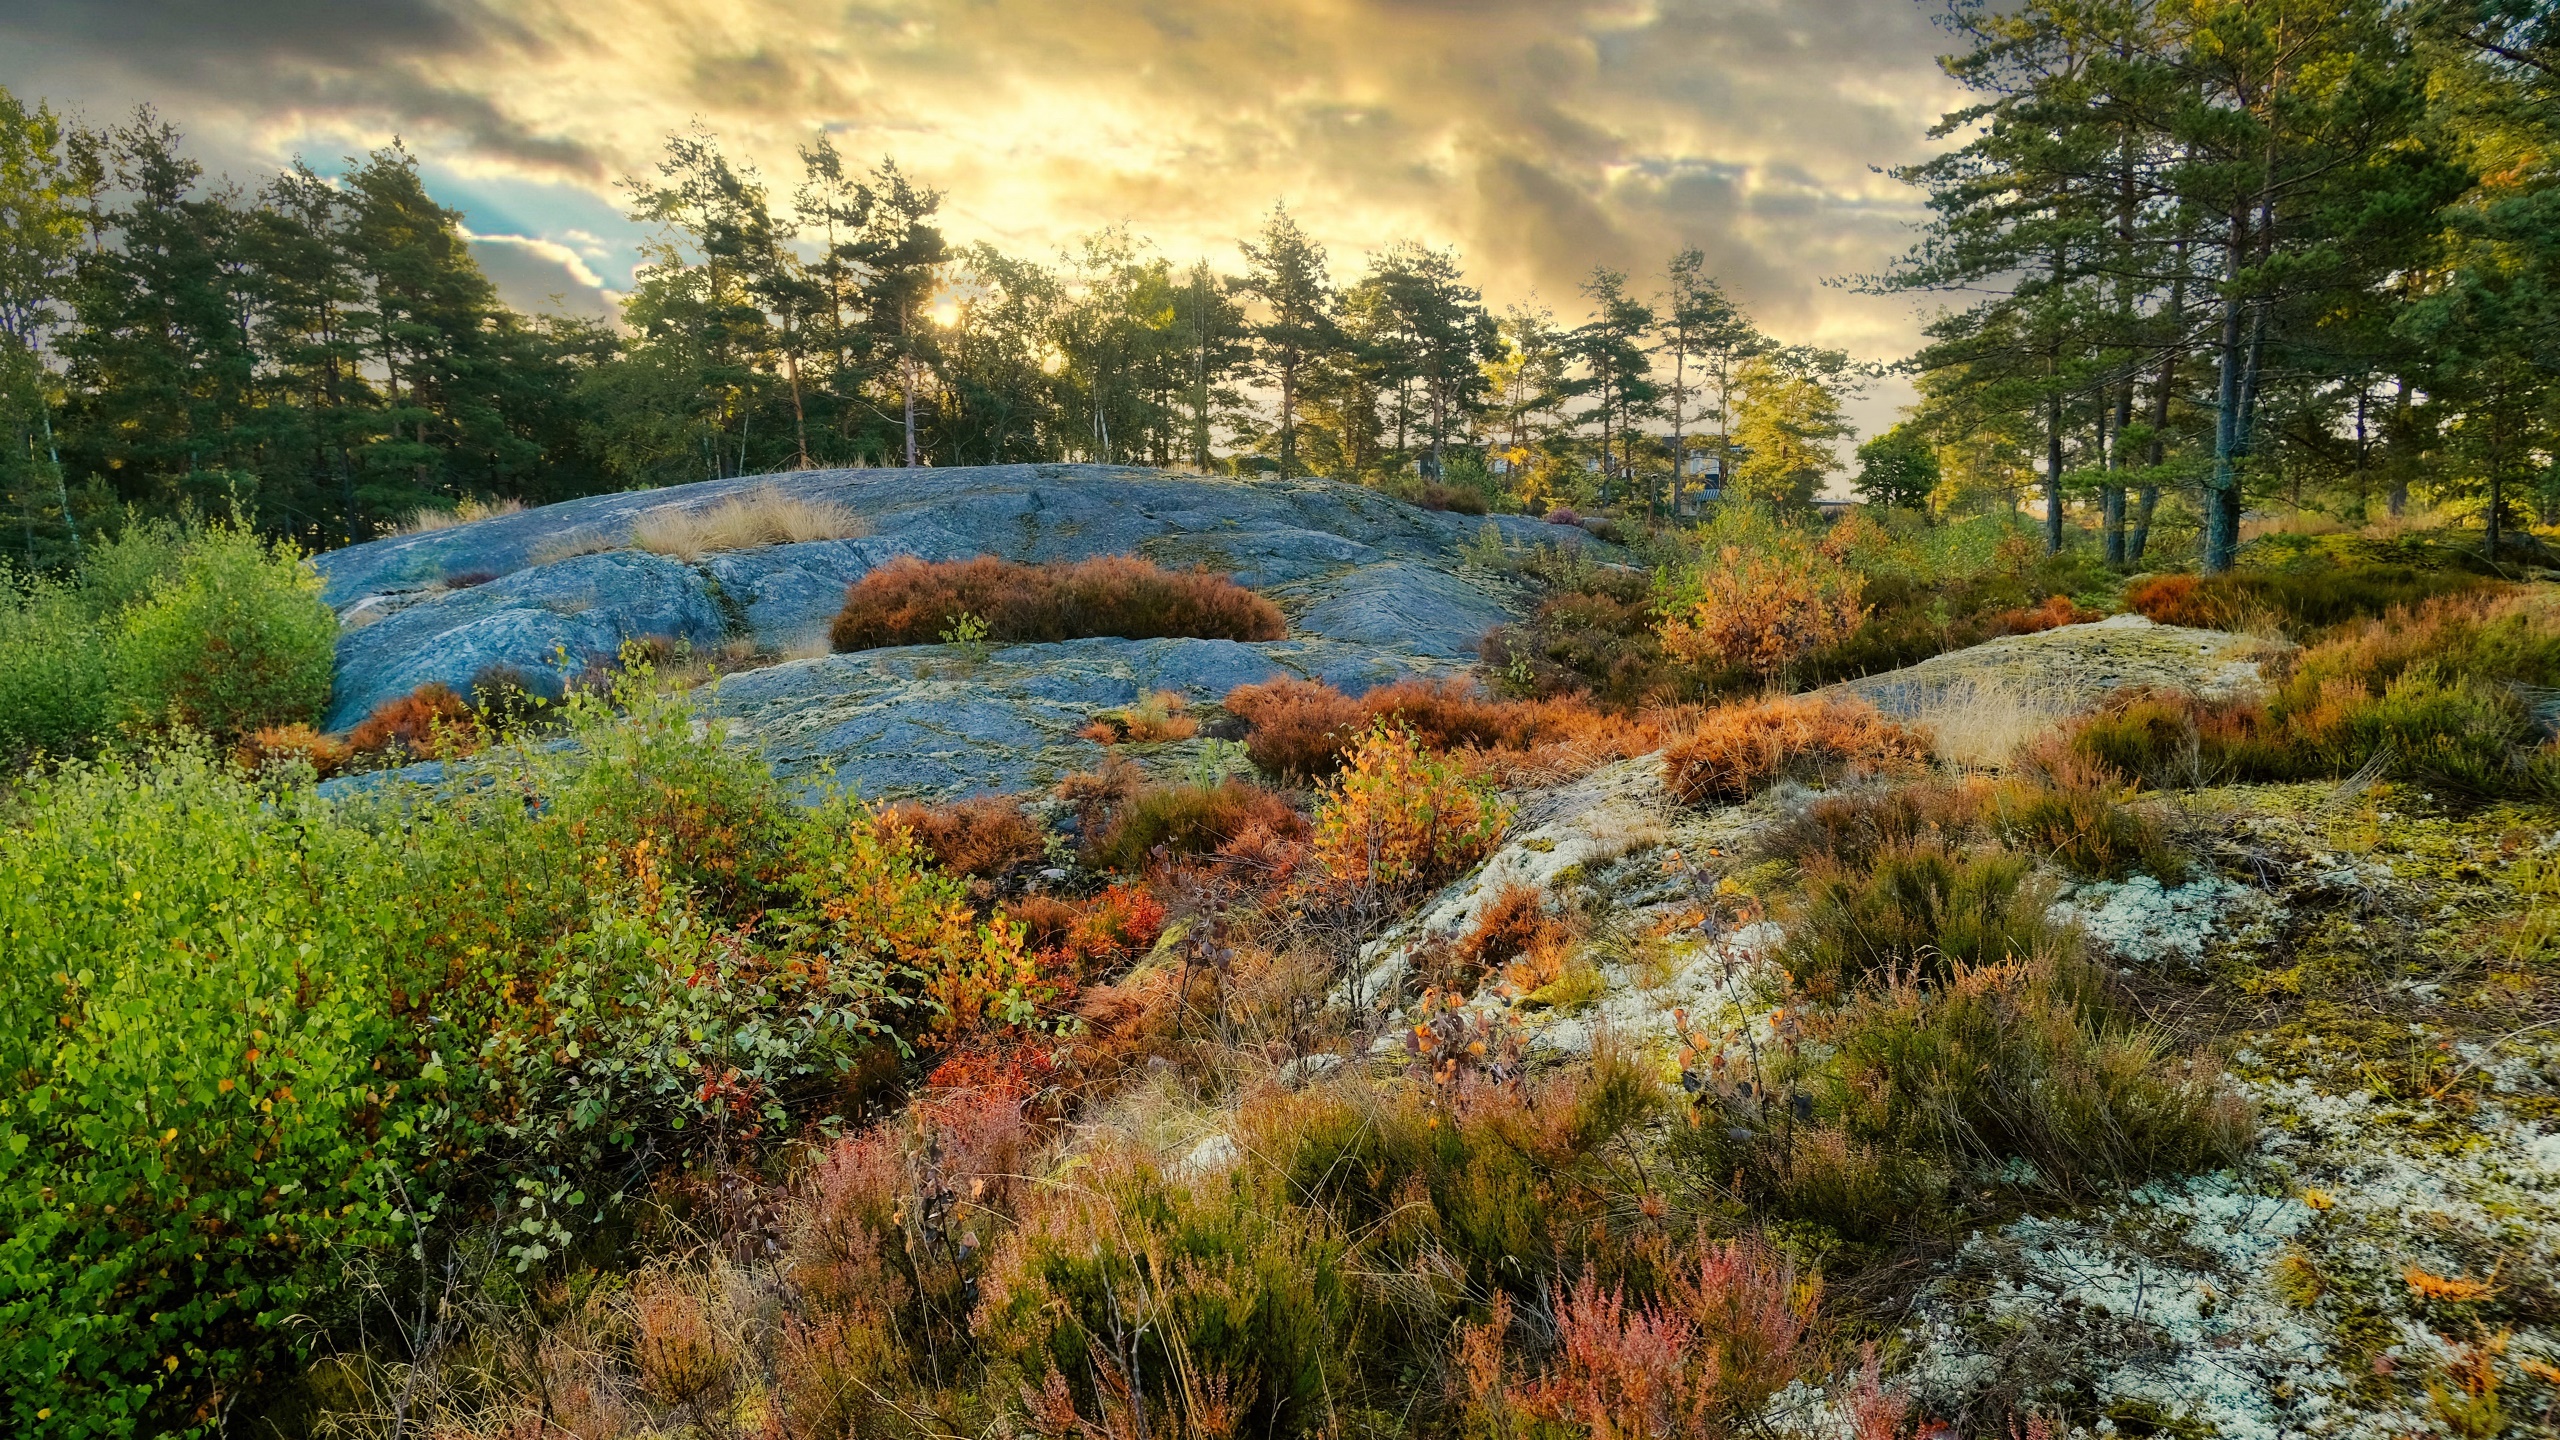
<point>1091,936</point>
<point>1737,750</point>
<point>914,602</point>
<point>430,720</point>
<point>1515,923</point>
<point>2056,612</point>
<point>982,837</point>
<point>1302,729</point>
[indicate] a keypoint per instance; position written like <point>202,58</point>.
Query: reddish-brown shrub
<point>285,744</point>
<point>981,837</point>
<point>1154,718</point>
<point>1302,729</point>
<point>1089,937</point>
<point>1514,921</point>
<point>2056,612</point>
<point>1737,750</point>
<point>1760,612</point>
<point>913,602</point>
<point>1732,1329</point>
<point>1189,820</point>
<point>2179,600</point>
<point>428,721</point>
<point>1563,515</point>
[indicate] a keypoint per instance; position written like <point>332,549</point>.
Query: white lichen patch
<point>2142,922</point>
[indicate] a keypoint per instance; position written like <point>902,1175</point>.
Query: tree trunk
<point>910,388</point>
<point>2053,473</point>
<point>2222,489</point>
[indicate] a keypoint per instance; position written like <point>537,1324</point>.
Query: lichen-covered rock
<point>929,721</point>
<point>1374,589</point>
<point>2076,664</point>
<point>536,620</point>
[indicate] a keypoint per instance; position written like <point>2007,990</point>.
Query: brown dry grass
<point>762,516</point>
<point>429,518</point>
<point>981,837</point>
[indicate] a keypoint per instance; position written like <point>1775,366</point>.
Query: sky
<point>1540,137</point>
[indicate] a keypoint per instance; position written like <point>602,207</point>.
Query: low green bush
<point>261,1042</point>
<point>234,638</point>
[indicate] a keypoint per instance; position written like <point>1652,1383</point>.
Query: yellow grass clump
<point>472,508</point>
<point>762,516</point>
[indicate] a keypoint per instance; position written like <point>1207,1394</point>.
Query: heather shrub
<point>912,602</point>
<point>430,721</point>
<point>1921,909</point>
<point>1081,938</point>
<point>1879,1117</point>
<point>286,746</point>
<point>2056,612</point>
<point>2168,739</point>
<point>235,637</point>
<point>2072,812</point>
<point>984,837</point>
<point>1456,499</point>
<point>1761,612</point>
<point>1302,729</point>
<point>1190,820</point>
<point>1731,1328</point>
<point>2302,601</point>
<point>1734,751</point>
<point>1398,820</point>
<point>1849,829</point>
<point>1129,1294</point>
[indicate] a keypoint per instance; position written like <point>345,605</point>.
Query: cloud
<point>536,275</point>
<point>1542,137</point>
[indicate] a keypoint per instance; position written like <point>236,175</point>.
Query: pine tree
<point>1285,271</point>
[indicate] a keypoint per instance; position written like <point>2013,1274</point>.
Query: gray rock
<point>926,721</point>
<point>539,620</point>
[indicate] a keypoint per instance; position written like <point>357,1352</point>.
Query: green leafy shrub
<point>195,1016</point>
<point>234,638</point>
<point>53,681</point>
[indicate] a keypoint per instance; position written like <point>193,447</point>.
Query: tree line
<point>323,353</point>
<point>2237,252</point>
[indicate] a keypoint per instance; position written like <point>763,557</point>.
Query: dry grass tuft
<point>1981,724</point>
<point>472,508</point>
<point>1157,717</point>
<point>762,516</point>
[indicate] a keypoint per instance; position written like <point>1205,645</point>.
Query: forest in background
<point>2196,256</point>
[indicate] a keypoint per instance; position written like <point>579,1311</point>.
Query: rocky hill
<point>1373,589</point>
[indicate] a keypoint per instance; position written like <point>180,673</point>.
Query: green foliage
<point>197,1021</point>
<point>1921,909</point>
<point>234,638</point>
<point>262,1036</point>
<point>53,677</point>
<point>1897,469</point>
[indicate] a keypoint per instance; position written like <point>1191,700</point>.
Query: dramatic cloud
<point>1542,137</point>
